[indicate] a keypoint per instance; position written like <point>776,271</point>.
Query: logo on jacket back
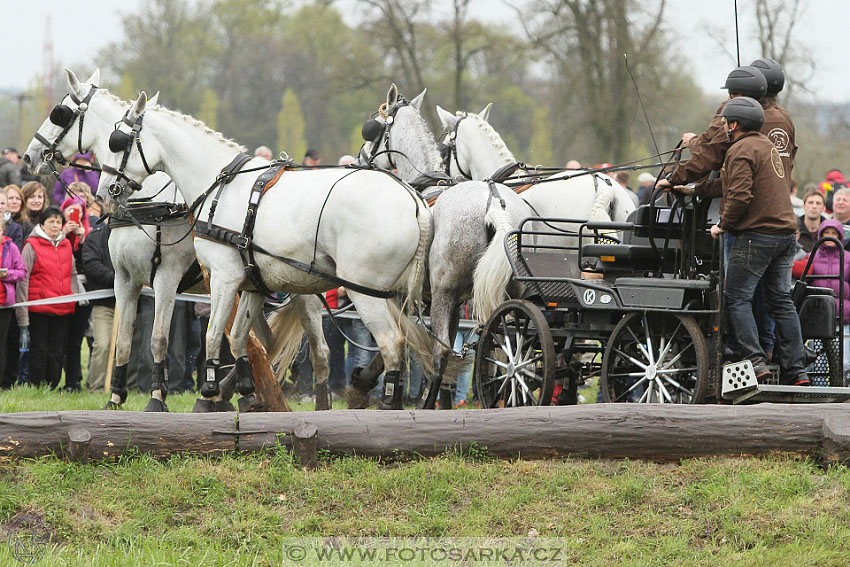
<point>781,141</point>
<point>776,161</point>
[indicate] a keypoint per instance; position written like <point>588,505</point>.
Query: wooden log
<point>651,432</point>
<point>78,445</point>
<point>304,445</point>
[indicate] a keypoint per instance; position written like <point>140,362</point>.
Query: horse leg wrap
<point>119,387</point>
<point>361,382</point>
<point>159,381</point>
<point>244,378</point>
<point>393,391</point>
<point>358,392</point>
<point>322,397</point>
<point>209,389</point>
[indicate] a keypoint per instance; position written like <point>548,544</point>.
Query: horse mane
<point>423,139</point>
<point>494,137</point>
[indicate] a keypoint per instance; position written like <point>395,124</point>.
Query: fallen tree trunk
<point>653,432</point>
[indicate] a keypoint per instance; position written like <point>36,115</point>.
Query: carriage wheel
<point>515,360</point>
<point>655,358</point>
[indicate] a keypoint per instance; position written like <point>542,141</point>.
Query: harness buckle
<point>246,242</point>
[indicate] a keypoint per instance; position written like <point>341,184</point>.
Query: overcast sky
<point>703,33</point>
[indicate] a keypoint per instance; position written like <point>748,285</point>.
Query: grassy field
<point>239,510</point>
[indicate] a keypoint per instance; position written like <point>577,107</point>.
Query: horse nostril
<point>27,159</point>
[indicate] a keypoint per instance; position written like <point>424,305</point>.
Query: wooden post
<point>304,445</point>
<point>110,360</point>
<point>78,445</point>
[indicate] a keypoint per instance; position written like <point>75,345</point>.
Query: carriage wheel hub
<point>511,369</point>
<point>652,372</point>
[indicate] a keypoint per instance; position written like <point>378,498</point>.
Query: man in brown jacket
<point>755,208</point>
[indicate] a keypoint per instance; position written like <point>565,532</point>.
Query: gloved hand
<point>25,338</point>
<point>81,285</point>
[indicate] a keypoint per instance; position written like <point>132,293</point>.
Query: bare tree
<point>777,20</point>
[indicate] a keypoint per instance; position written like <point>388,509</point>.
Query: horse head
<point>470,146</point>
<point>127,163</point>
<point>71,126</point>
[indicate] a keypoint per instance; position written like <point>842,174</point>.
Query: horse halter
<point>123,142</point>
<point>64,116</point>
<point>448,149</point>
<point>373,130</point>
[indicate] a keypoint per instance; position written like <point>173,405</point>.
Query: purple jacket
<point>71,175</point>
<point>827,263</point>
<point>17,270</point>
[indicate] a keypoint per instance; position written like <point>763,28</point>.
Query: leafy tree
<point>209,109</point>
<point>290,126</point>
<point>540,147</point>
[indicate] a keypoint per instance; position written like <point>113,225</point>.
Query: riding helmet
<point>746,111</point>
<point>772,72</point>
<point>746,81</point>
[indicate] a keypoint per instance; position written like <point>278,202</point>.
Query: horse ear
<point>95,77</point>
<point>73,82</point>
<point>447,119</point>
<point>154,100</point>
<point>417,102</point>
<point>392,94</point>
<point>484,114</point>
<point>139,106</point>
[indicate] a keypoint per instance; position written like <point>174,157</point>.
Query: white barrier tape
<point>100,294</point>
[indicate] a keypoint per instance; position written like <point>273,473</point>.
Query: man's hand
<point>663,184</point>
<point>683,189</point>
<point>716,231</point>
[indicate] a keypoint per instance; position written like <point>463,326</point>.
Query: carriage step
<point>791,394</point>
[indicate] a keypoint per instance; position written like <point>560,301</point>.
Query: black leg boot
<point>323,400</point>
<point>119,388</point>
<point>358,392</point>
<point>393,392</point>
<point>245,386</point>
<point>159,381</point>
<point>209,389</point>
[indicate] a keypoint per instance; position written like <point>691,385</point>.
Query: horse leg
<point>378,318</point>
<point>250,306</point>
<point>444,323</point>
<point>164,295</point>
<point>222,297</point>
<point>126,297</point>
<point>309,310</point>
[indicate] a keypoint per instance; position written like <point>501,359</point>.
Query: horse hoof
<point>203,406</point>
<point>356,398</point>
<point>323,402</point>
<point>249,403</point>
<point>394,405</point>
<point>110,405</point>
<point>224,406</point>
<point>156,405</point>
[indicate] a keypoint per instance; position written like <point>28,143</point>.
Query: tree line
<point>292,75</point>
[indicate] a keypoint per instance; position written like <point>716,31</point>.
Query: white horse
<point>131,249</point>
<point>467,257</point>
<point>478,151</point>
<point>314,230</point>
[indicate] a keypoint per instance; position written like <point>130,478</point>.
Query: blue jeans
<point>764,323</point>
<point>465,377</point>
<point>765,258</point>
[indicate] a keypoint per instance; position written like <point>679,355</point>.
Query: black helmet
<point>772,71</point>
<point>746,81</point>
<point>745,111</point>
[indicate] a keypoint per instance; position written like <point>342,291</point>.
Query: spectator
<point>15,207</point>
<point>311,158</point>
<point>100,274</point>
<point>573,164</point>
<point>12,270</point>
<point>10,169</point>
<point>808,224</point>
<point>11,228</point>
<point>76,230</point>
<point>827,262</point>
<point>346,160</point>
<point>622,178</point>
<point>75,174</point>
<point>796,202</point>
<point>35,201</point>
<point>645,183</point>
<point>264,152</point>
<point>841,206</point>
<point>833,182</point>
<point>51,270</point>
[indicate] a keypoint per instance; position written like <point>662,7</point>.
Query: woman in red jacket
<point>49,258</point>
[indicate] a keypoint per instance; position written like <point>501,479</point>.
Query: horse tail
<point>421,345</point>
<point>286,332</point>
<point>416,273</point>
<point>493,271</point>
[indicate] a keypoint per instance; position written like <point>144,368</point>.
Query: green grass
<point>239,510</point>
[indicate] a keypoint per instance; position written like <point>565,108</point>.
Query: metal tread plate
<point>793,394</point>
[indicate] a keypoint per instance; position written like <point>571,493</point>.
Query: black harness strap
<point>156,259</point>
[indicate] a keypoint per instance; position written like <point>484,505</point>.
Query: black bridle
<point>448,149</point>
<point>374,130</point>
<point>120,141</point>
<point>64,116</point>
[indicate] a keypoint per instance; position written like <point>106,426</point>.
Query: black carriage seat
<point>817,310</point>
<point>634,253</point>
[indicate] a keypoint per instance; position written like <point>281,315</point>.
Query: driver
<point>755,208</point>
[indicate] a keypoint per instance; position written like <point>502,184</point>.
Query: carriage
<point>646,317</point>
